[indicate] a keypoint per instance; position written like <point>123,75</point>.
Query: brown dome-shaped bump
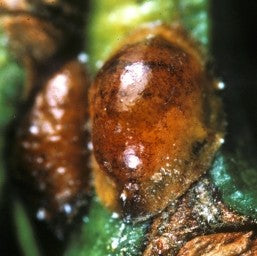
<point>155,122</point>
<point>50,156</point>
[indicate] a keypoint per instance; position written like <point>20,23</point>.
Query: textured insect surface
<point>50,147</point>
<point>49,152</point>
<point>156,121</point>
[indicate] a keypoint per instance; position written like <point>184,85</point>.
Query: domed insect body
<point>156,122</point>
<point>51,139</point>
<point>49,153</point>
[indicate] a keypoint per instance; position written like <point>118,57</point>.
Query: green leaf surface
<point>24,230</point>
<point>11,77</point>
<point>194,16</point>
<point>104,234</point>
<point>237,181</point>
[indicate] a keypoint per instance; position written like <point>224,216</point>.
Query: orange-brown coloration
<point>41,29</point>
<point>50,150</point>
<point>222,244</point>
<point>19,6</point>
<point>155,121</point>
<point>29,37</point>
<point>105,188</point>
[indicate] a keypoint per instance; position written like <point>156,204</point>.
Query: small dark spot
<point>197,147</point>
<point>147,94</point>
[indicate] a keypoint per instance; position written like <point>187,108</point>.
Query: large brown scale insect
<point>156,121</point>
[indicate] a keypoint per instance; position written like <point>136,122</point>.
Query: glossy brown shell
<point>154,121</point>
<point>50,152</point>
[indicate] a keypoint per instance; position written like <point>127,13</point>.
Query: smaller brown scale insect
<point>51,141</point>
<point>156,121</point>
<point>49,156</point>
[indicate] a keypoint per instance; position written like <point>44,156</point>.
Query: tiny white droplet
<point>221,85</point>
<point>83,57</point>
<point>123,196</point>
<point>61,170</point>
<point>115,243</point>
<point>34,129</point>
<point>86,219</point>
<point>39,160</point>
<point>222,141</point>
<point>67,208</point>
<point>41,214</point>
<point>99,64</point>
<point>90,146</point>
<point>115,215</point>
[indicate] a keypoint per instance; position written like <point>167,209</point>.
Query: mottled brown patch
<point>199,212</point>
<point>222,244</point>
<point>32,37</point>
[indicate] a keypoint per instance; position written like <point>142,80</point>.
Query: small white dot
<point>61,170</point>
<point>222,141</point>
<point>83,57</point>
<point>99,64</point>
<point>115,215</point>
<point>90,146</point>
<point>132,161</point>
<point>67,208</point>
<point>41,214</point>
<point>123,196</point>
<point>86,219</point>
<point>221,85</point>
<point>115,243</point>
<point>34,129</point>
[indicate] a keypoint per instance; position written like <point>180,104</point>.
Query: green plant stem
<point>111,21</point>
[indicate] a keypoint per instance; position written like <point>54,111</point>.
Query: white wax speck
<point>222,140</point>
<point>115,243</point>
<point>90,146</point>
<point>34,129</point>
<point>83,57</point>
<point>123,196</point>
<point>115,215</point>
<point>41,214</point>
<point>67,208</point>
<point>221,85</point>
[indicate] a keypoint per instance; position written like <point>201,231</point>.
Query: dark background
<point>234,48</point>
<point>234,51</point>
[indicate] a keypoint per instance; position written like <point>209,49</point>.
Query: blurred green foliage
<point>110,22</point>
<point>104,233</point>
<point>24,230</point>
<point>11,80</point>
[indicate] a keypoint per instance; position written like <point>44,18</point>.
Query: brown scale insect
<point>49,155</point>
<point>156,121</point>
<point>51,141</point>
